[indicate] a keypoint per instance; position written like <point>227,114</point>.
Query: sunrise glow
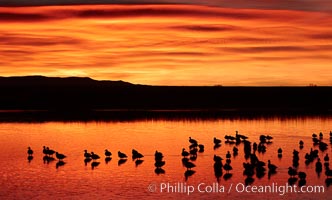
<point>168,44</point>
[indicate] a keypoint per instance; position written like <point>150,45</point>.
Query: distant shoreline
<point>139,115</point>
<point>51,98</point>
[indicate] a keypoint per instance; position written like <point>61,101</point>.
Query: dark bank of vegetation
<point>93,98</point>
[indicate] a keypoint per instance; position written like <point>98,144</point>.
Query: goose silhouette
<point>301,143</point>
<point>292,172</point>
<point>254,146</point>
<point>323,146</point>
<point>136,155</point>
<point>189,165</point>
<point>217,158</point>
<point>184,153</point>
<point>44,150</point>
<point>326,158</point>
<point>94,156</point>
<point>237,135</point>
<point>315,141</point>
<point>228,155</point>
<point>122,155</point>
<point>271,167</point>
<point>108,153</point>
<point>235,151</point>
<point>227,167</point>
<point>86,154</point>
<point>193,152</point>
<point>49,151</point>
<point>192,141</point>
<point>302,175</point>
<point>60,156</point>
<point>260,171</point>
<point>268,137</point>
<point>158,156</point>
<point>328,172</point>
<point>193,146</point>
<point>201,148</point>
<point>30,151</point>
<point>319,166</point>
<point>134,152</point>
<point>216,141</point>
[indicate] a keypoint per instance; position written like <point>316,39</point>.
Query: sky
<point>211,42</point>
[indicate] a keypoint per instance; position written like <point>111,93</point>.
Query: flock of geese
<point>252,167</point>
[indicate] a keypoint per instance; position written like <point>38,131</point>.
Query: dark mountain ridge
<point>75,93</point>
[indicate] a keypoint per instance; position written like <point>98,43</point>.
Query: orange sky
<point>168,44</point>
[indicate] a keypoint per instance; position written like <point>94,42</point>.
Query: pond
<point>40,178</point>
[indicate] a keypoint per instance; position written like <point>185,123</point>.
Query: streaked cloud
<point>308,5</point>
<point>168,44</point>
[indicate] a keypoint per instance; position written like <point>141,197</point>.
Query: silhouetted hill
<point>85,94</point>
<point>39,81</point>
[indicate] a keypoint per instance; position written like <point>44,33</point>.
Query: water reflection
<point>122,161</point>
<point>94,164</point>
<point>242,155</point>
<point>87,160</point>
<point>59,164</point>
<point>159,163</point>
<point>188,173</point>
<point>138,162</point>
<point>48,159</point>
<point>30,158</point>
<point>108,159</point>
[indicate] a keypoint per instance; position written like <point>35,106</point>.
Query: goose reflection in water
<point>30,152</point>
<point>108,159</point>
<point>122,161</point>
<point>138,162</point>
<point>328,182</point>
<point>159,171</point>
<point>188,174</point>
<point>249,180</point>
<point>94,164</point>
<point>30,158</point>
<point>48,159</point>
<point>253,168</point>
<point>227,176</point>
<point>159,163</point>
<point>87,160</point>
<point>59,164</point>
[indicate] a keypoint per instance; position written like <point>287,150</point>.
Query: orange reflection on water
<point>77,180</point>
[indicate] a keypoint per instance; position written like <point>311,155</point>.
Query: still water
<point>21,179</point>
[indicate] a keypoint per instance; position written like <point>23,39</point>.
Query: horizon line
<point>139,84</point>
